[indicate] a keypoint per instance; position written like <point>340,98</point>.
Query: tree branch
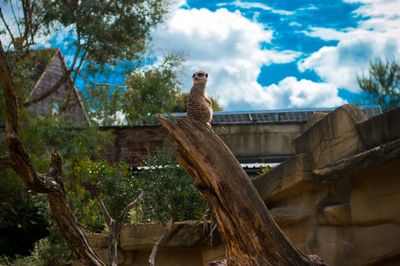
<point>115,227</point>
<point>58,84</point>
<point>100,84</point>
<point>49,92</point>
<point>130,206</point>
<point>5,162</point>
<point>15,18</point>
<point>160,241</point>
<point>106,214</point>
<point>50,183</point>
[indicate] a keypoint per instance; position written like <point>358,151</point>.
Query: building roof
<point>275,116</point>
<point>34,65</point>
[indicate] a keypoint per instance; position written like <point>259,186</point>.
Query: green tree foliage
<point>149,90</point>
<point>103,34</point>
<point>106,31</point>
<point>169,191</point>
<point>181,102</point>
<point>25,218</point>
<point>383,83</point>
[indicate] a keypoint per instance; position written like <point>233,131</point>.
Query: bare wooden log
<point>244,222</point>
<point>50,183</point>
<point>115,227</point>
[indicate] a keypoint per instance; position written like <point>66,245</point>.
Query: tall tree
<point>49,183</point>
<point>99,32</point>
<point>383,83</point>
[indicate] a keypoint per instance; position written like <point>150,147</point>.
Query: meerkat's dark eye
<point>200,74</point>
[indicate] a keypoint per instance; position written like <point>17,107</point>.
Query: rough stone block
<point>380,129</point>
<point>375,195</point>
<point>333,137</point>
<point>288,179</point>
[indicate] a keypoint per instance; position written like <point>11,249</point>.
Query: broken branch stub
<point>244,222</point>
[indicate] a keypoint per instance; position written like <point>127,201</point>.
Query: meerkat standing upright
<point>199,106</point>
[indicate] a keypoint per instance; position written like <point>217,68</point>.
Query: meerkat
<point>199,106</point>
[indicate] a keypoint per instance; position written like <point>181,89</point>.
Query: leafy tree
<point>181,102</point>
<point>148,90</point>
<point>383,83</point>
<point>169,192</point>
<point>99,33</point>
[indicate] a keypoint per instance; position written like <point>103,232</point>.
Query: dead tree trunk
<point>115,227</point>
<point>244,222</point>
<point>49,183</point>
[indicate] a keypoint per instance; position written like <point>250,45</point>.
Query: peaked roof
<point>35,64</point>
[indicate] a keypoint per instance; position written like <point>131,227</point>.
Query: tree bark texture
<point>244,222</point>
<point>115,227</point>
<point>50,183</point>
<point>168,232</point>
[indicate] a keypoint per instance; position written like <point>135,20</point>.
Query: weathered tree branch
<point>5,162</point>
<point>160,241</point>
<point>60,81</point>
<point>115,227</point>
<point>244,222</point>
<point>105,213</point>
<point>50,91</point>
<point>50,183</point>
<point>130,206</point>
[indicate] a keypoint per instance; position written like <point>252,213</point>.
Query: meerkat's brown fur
<point>199,106</point>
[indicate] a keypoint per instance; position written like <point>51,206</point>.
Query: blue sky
<point>275,54</point>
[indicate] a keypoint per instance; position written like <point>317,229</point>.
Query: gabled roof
<point>35,64</point>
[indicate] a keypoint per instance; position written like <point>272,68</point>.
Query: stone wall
<point>339,196</point>
<point>188,244</point>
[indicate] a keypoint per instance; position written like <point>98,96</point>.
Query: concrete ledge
<point>380,129</point>
<point>185,234</point>
<point>333,137</point>
<point>353,164</point>
<point>286,180</point>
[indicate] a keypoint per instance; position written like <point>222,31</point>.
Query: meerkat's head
<point>200,77</point>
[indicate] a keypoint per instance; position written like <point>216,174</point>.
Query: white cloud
<point>377,35</point>
<point>326,34</point>
<point>293,93</point>
<point>252,5</point>
<point>226,45</point>
<point>376,8</point>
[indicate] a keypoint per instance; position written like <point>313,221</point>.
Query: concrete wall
<point>248,142</point>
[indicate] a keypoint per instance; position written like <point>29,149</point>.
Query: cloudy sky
<point>276,54</point>
<point>281,54</point>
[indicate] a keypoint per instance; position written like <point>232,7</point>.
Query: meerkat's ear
<point>193,75</point>
<point>206,75</point>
